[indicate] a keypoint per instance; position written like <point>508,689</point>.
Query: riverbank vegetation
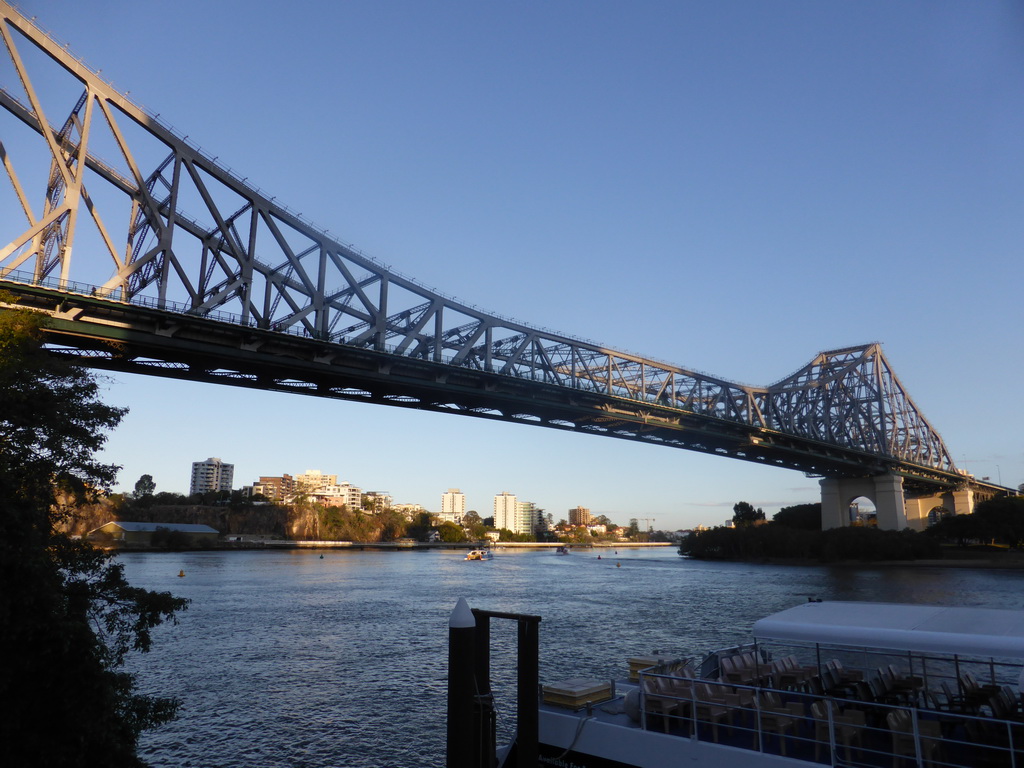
<point>776,542</point>
<point>69,617</point>
<point>998,522</point>
<point>795,534</point>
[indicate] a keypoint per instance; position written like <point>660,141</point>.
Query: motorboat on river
<point>479,554</point>
<point>834,683</point>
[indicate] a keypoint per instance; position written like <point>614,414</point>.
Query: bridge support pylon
<point>928,509</point>
<point>885,491</point>
<point>894,508</point>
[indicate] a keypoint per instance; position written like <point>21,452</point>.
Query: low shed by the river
<point>142,533</point>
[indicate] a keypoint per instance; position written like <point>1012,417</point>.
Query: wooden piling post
<point>463,737</point>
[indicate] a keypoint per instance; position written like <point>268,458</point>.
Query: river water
<point>285,658</point>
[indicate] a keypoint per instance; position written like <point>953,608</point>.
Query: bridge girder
<point>113,336</point>
<point>205,255</point>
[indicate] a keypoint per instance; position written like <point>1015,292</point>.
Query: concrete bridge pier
<point>885,491</point>
<point>895,510</point>
<point>959,502</point>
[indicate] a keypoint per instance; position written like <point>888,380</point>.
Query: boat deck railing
<point>842,717</point>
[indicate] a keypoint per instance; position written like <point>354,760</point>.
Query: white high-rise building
<point>453,506</point>
<point>211,475</point>
<point>505,511</point>
<point>527,517</point>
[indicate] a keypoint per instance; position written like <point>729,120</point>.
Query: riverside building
<point>275,488</point>
<point>527,517</point>
<point>505,511</point>
<point>211,475</point>
<point>580,516</point>
<point>514,515</point>
<point>453,506</point>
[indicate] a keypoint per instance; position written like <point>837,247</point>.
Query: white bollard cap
<point>461,616</point>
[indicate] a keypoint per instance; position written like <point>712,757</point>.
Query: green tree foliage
<point>69,617</point>
<point>344,524</point>
<point>391,525</point>
<point>776,542</point>
<point>169,498</point>
<point>474,525</point>
<point>998,520</point>
<point>420,526</point>
<point>806,517</point>
<point>144,486</point>
<point>451,533</point>
<point>578,535</point>
<point>743,513</point>
<point>1004,518</point>
<point>506,535</point>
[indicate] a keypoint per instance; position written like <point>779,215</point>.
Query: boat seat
<point>904,745</point>
<point>711,707</point>
<point>847,726</point>
<point>667,698</point>
<point>776,717</point>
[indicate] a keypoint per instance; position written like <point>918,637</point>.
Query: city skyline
<point>457,500</point>
<point>731,189</point>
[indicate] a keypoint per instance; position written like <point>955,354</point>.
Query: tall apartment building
<point>453,506</point>
<point>505,511</point>
<point>527,517</point>
<point>580,516</point>
<point>211,475</point>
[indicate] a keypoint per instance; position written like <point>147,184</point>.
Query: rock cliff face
<point>86,518</point>
<point>260,520</point>
<point>301,522</point>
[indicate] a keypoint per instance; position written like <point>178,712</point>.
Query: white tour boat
<point>833,683</point>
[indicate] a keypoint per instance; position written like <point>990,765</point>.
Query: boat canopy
<point>977,632</point>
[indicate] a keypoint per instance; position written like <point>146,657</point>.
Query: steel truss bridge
<point>182,269</point>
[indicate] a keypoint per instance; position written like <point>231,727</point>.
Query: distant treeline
<point>776,542</point>
<point>794,534</point>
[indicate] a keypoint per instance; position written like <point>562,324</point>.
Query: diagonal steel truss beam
<point>203,242</point>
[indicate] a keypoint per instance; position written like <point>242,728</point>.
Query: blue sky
<point>728,186</point>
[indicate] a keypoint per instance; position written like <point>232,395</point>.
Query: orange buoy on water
<point>618,565</point>
<point>181,574</point>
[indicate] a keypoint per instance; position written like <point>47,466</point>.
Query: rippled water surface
<point>287,659</point>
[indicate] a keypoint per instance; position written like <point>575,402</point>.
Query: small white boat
<point>479,554</point>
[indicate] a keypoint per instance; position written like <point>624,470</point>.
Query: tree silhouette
<point>743,513</point>
<point>69,617</point>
